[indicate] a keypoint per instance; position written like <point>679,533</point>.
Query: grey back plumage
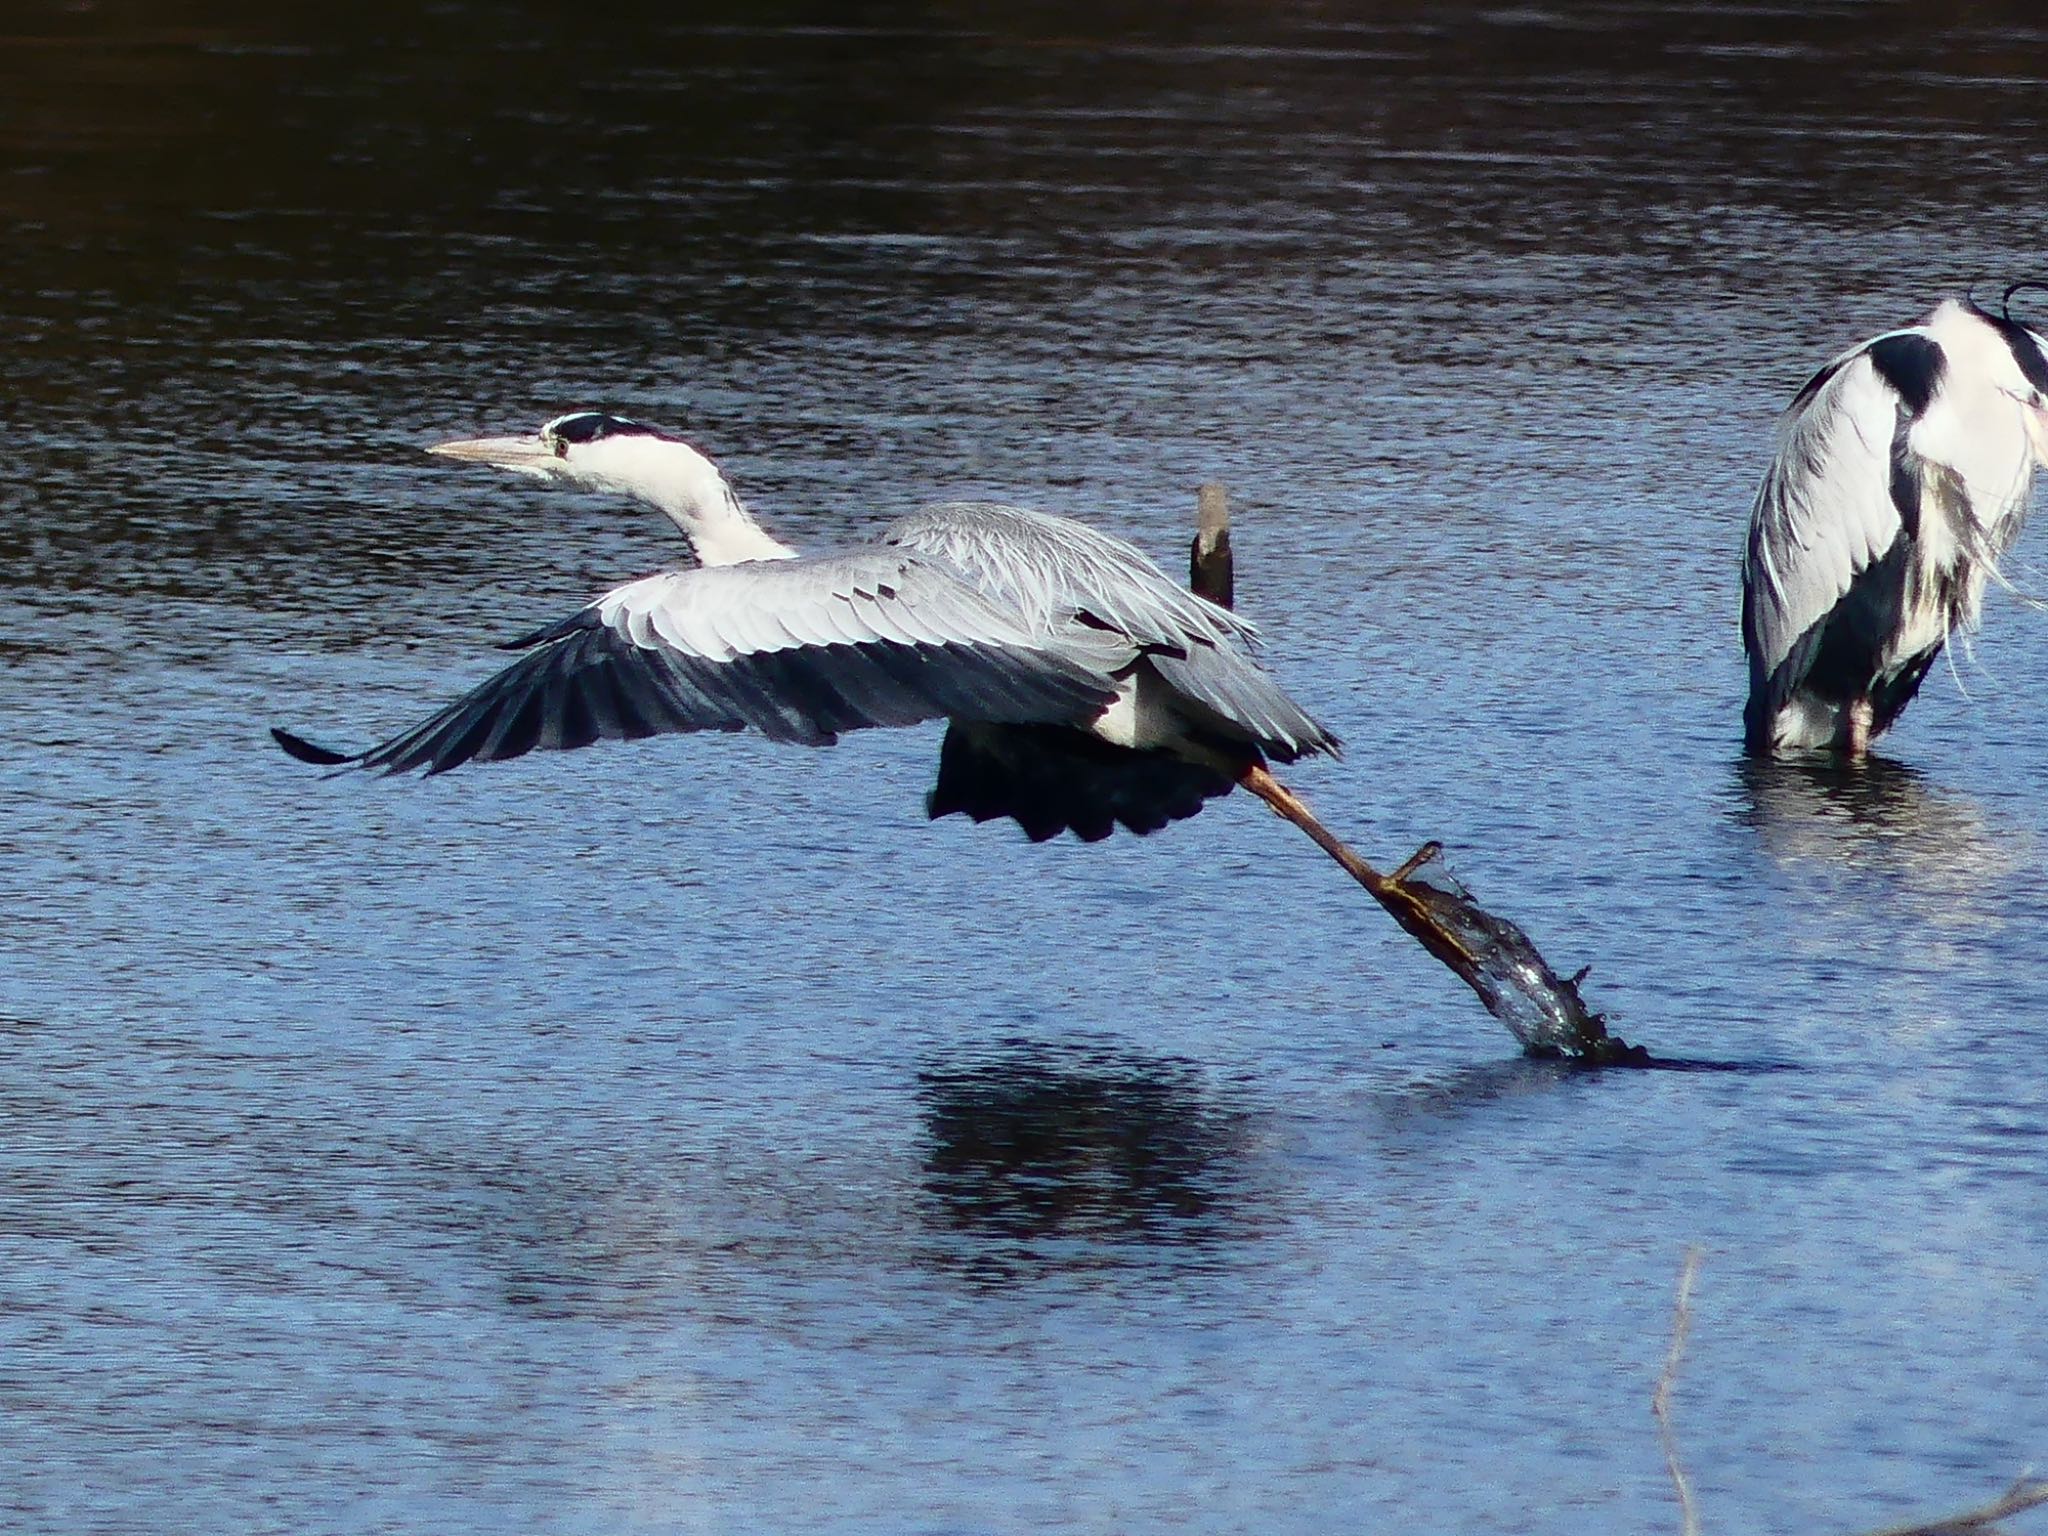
<point>1067,578</point>
<point>1050,568</point>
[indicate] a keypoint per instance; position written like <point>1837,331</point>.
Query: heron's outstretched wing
<point>1065,575</point>
<point>797,649</point>
<point>1846,483</point>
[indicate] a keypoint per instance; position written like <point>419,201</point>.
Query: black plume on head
<point>590,426</point>
<point>2023,343</point>
<point>2005,302</point>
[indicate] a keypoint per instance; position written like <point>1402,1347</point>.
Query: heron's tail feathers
<point>1051,779</point>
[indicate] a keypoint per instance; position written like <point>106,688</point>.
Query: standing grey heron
<point>1083,689</point>
<point>1901,477</point>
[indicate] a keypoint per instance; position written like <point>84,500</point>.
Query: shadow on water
<point>1061,1156</point>
<point>1879,816</point>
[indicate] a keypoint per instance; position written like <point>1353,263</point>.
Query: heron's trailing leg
<point>1389,891</point>
<point>1490,954</point>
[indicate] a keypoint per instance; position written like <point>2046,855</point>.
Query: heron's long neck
<point>689,488</point>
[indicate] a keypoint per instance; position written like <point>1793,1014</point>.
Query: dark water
<point>689,1137</point>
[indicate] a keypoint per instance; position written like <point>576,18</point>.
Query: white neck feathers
<point>685,485</point>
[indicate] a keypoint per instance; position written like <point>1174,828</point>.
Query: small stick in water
<point>1211,567</point>
<point>1660,1400</point>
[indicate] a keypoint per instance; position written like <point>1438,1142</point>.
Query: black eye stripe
<point>590,426</point>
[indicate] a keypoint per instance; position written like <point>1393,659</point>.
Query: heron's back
<point>1066,577</point>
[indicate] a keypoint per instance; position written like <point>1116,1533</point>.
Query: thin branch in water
<point>1660,1401</point>
<point>1211,569</point>
<point>2027,1493</point>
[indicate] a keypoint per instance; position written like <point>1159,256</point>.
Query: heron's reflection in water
<point>1072,1154</point>
<point>1937,849</point>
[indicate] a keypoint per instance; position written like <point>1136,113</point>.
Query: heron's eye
<point>559,444</point>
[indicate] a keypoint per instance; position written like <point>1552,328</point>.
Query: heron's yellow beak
<point>524,455</point>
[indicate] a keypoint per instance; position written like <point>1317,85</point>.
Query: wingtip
<point>305,751</point>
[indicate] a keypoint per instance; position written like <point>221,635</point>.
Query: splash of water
<point>1497,960</point>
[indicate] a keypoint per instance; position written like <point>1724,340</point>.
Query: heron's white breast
<point>1142,714</point>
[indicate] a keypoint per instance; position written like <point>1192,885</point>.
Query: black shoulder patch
<point>590,426</point>
<point>1912,365</point>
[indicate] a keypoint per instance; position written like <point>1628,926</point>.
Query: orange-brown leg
<point>1860,716</point>
<point>1401,903</point>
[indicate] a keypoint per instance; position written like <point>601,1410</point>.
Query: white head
<point>2001,354</point>
<point>596,451</point>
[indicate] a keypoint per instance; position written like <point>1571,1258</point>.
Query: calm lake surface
<point>689,1137</point>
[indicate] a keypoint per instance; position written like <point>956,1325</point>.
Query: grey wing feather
<point>1051,566</point>
<point>1826,511</point>
<point>1070,578</point>
<point>797,649</point>
<point>1234,691</point>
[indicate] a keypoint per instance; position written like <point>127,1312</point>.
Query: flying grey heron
<point>1083,689</point>
<point>1901,477</point>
